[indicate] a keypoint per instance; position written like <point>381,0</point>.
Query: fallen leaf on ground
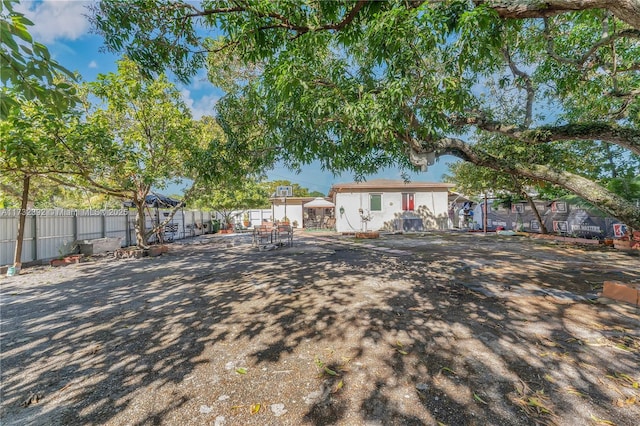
<point>477,398</point>
<point>602,421</point>
<point>330,371</point>
<point>448,370</point>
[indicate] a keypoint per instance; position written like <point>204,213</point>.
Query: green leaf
<point>477,398</point>
<point>330,371</point>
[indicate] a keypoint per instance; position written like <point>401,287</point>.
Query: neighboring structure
<point>391,205</point>
<point>559,216</point>
<point>289,207</point>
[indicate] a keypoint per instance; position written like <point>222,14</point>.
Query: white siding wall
<point>435,203</point>
<point>294,212</point>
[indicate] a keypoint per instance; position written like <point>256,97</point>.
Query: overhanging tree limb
<point>626,137</point>
<point>589,190</point>
<point>579,62</point>
<point>625,10</point>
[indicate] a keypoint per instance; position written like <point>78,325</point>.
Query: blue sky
<point>63,27</point>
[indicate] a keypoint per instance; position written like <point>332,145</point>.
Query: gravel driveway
<point>425,329</point>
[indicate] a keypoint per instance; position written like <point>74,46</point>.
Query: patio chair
<point>284,235</point>
<point>262,234</point>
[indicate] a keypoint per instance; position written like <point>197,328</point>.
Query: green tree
<point>27,71</point>
<point>362,85</point>
<point>29,77</point>
<point>150,139</point>
<point>228,198</point>
<point>31,155</point>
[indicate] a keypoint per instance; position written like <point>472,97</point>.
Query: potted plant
<point>245,220</point>
<point>285,220</point>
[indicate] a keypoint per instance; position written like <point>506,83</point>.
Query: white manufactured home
<point>391,205</point>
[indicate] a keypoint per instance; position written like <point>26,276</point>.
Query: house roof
<point>387,184</point>
<point>456,197</point>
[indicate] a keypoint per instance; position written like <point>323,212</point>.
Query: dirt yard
<point>431,329</point>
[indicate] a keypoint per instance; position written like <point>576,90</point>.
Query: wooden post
<point>484,214</point>
<point>75,225</point>
<point>127,227</point>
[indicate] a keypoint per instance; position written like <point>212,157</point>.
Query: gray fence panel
<point>116,227</point>
<point>89,224</point>
<point>8,234</point>
<point>51,233</point>
<point>29,242</point>
<point>54,233</point>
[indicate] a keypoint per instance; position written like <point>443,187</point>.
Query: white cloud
<point>200,81</point>
<point>206,105</point>
<point>56,19</point>
<point>93,64</point>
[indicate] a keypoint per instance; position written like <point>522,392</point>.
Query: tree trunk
<point>534,209</point>
<point>141,223</point>
<point>22,218</point>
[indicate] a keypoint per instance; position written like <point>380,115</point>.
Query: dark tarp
<point>558,216</point>
<point>156,200</point>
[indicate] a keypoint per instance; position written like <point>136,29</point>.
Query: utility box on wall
<point>409,225</point>
<point>99,245</point>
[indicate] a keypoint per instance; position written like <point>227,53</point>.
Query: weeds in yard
<point>599,421</point>
<point>536,404</point>
<point>333,369</point>
<point>447,370</point>
<point>627,387</point>
<point>574,391</point>
<point>477,398</point>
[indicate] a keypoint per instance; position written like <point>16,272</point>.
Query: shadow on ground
<point>326,332</point>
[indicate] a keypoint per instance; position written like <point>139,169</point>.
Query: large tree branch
<point>93,186</point>
<point>347,19</point>
<point>609,202</point>
<point>625,10</point>
<point>279,20</point>
<point>528,86</point>
<point>626,137</point>
<point>580,61</point>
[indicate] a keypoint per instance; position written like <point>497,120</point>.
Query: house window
<point>375,202</point>
<point>408,202</point>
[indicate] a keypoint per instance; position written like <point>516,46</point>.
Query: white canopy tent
<point>319,203</point>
